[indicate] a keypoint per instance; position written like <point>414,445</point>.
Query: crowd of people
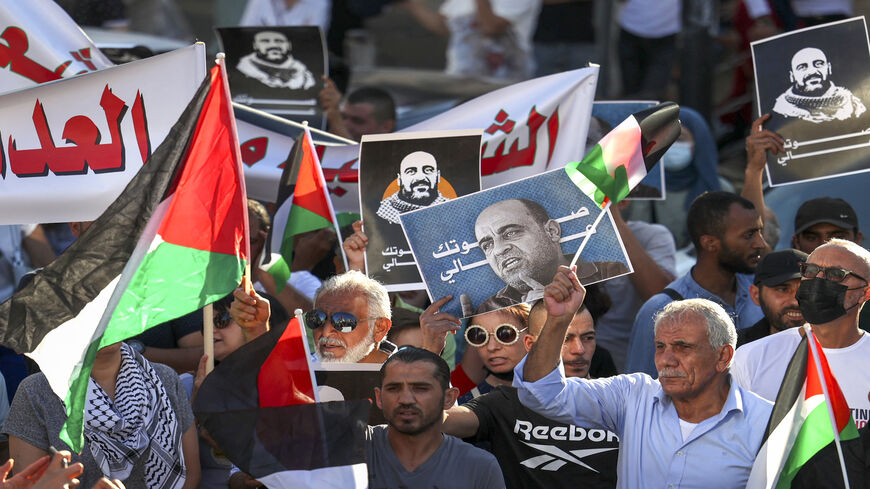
<point>651,379</point>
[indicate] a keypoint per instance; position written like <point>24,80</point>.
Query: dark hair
<point>708,213</point>
<point>409,354</point>
<point>597,302</point>
<point>539,214</point>
<point>259,210</point>
<point>402,320</point>
<point>381,100</point>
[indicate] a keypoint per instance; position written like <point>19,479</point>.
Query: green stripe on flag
<point>172,281</point>
<point>592,170</point>
<point>301,220</point>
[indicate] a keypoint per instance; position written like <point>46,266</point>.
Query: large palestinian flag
<point>258,406</point>
<point>801,422</point>
<point>624,155</point>
<point>174,241</point>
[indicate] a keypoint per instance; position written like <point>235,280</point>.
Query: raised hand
<point>435,325</point>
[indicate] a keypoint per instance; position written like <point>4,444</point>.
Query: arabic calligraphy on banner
<point>69,148</point>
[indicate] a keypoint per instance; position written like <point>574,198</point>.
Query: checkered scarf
<point>139,423</point>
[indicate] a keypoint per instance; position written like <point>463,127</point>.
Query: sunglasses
<point>342,321</point>
<point>834,274</point>
<point>506,334</point>
<point>222,319</point>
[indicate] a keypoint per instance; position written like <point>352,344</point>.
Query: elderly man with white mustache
<point>675,431</point>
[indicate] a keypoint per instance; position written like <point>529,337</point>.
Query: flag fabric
<point>258,406</point>
<point>41,43</point>
<point>623,157</point>
<point>174,241</point>
<point>303,202</point>
<point>800,424</point>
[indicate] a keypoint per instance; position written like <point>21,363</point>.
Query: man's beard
<point>734,263</point>
<point>419,197</point>
<point>777,321</point>
<point>425,423</point>
<point>351,355</point>
<point>812,92</point>
<point>264,56</point>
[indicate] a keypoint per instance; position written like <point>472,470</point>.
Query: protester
<point>410,450</point>
<point>726,233</point>
<point>22,248</point>
<point>648,46</point>
<point>487,38</point>
<point>50,472</point>
<point>534,451</point>
<point>832,292</point>
<point>367,110</point>
<point>138,424</point>
<point>565,36</point>
<point>282,12</point>
<point>777,278</point>
<point>675,431</point>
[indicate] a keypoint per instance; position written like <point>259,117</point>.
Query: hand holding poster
<point>817,94</point>
<point>403,172</point>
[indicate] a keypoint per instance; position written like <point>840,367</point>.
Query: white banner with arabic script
<point>39,43</point>
<point>529,127</point>
<point>70,147</point>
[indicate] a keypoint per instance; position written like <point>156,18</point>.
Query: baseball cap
<point>779,267</point>
<point>825,209</point>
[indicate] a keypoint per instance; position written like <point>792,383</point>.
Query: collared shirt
<point>641,347</point>
<point>717,454</point>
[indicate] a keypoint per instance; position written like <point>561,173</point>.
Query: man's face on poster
<point>271,46</point>
<point>523,249</point>
<point>418,178</point>
<point>809,72</point>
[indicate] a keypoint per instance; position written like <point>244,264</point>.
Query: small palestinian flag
<point>174,241</point>
<point>800,424</point>
<point>624,156</point>
<point>258,406</point>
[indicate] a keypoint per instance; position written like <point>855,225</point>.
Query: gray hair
<point>720,328</point>
<point>354,282</point>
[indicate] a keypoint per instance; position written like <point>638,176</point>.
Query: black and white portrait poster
<point>402,172</point>
<point>277,69</point>
<point>503,245</point>
<point>815,84</point>
<point>609,114</point>
<point>349,382</point>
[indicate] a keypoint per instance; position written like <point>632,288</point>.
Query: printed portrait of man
<point>813,96</point>
<point>521,244</point>
<point>418,180</point>
<point>272,64</point>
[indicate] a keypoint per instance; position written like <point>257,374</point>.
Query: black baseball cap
<point>778,267</point>
<point>825,209</point>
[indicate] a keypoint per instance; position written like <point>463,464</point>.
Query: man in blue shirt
<point>693,427</point>
<point>726,232</point>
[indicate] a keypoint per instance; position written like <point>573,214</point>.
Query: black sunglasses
<point>342,321</point>
<point>834,274</point>
<point>222,319</point>
<point>506,334</point>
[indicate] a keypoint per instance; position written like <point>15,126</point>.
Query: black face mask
<point>822,301</point>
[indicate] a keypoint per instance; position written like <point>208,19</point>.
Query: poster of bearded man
<point>402,172</point>
<point>815,84</point>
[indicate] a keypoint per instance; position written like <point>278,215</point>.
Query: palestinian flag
<point>258,406</point>
<point>303,203</point>
<point>800,424</point>
<point>624,156</point>
<point>174,241</point>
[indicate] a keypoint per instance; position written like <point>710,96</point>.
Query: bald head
<point>809,72</point>
<point>418,178</point>
<point>845,254</point>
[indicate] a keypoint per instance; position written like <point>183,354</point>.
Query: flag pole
<point>590,231</point>
<point>811,339</point>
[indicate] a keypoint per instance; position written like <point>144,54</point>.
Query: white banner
<point>69,147</point>
<point>529,127</point>
<point>39,42</point>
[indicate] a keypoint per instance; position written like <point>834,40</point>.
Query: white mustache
<point>672,373</point>
<point>325,341</point>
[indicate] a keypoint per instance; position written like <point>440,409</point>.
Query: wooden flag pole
<point>208,336</point>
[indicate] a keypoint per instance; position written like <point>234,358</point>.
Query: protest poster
<point>71,146</point>
<point>815,83</point>
<point>403,172</point>
<point>502,245</point>
<point>341,381</point>
<point>277,69</point>
<point>610,114</point>
<point>529,127</point>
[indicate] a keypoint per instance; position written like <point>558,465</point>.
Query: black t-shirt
<point>534,451</point>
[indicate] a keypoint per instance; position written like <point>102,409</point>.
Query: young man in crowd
<point>777,278</point>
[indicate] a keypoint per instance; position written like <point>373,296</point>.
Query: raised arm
<point>758,143</point>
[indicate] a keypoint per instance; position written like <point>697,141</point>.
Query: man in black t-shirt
<point>532,450</point>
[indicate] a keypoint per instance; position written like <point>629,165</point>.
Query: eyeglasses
<point>506,334</point>
<point>342,321</point>
<point>222,319</point>
<point>834,274</point>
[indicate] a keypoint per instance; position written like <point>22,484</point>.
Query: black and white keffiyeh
<point>138,426</point>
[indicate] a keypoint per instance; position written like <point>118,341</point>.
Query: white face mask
<point>678,156</point>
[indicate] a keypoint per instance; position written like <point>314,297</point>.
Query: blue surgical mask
<point>678,156</point>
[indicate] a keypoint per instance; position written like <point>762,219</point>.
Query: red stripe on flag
<point>310,192</point>
<point>284,378</point>
<point>842,414</point>
<point>210,214</point>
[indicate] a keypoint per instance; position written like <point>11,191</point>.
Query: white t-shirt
<point>803,8</point>
<point>760,366</point>
<point>507,56</point>
<point>651,18</point>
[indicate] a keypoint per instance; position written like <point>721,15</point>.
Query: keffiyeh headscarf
<point>138,426</point>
